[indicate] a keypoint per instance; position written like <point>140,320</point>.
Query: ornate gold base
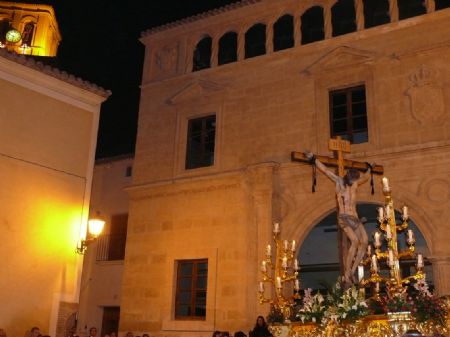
<point>370,326</point>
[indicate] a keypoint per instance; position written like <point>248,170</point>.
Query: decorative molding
<point>196,89</point>
<point>340,57</point>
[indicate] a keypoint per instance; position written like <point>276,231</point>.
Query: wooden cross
<point>339,146</point>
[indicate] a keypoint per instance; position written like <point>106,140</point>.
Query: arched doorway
<point>319,257</point>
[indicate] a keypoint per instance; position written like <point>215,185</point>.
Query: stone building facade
<point>227,95</point>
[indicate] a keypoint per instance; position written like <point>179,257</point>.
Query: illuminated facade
<point>29,29</point>
<point>226,96</point>
<point>47,151</point>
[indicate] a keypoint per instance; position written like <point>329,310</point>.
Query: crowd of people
<point>261,329</point>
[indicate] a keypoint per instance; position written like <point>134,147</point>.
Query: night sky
<point>100,44</point>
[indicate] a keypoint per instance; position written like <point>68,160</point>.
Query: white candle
<point>263,267</point>
<point>391,257</point>
<point>297,285</point>
<point>284,262</point>
<point>369,250</point>
<point>388,231</point>
<point>278,282</point>
<point>360,273</point>
<point>419,261</point>
<point>405,212</point>
<point>269,250</point>
<point>385,182</point>
<point>285,245</point>
<point>293,246</point>
<point>276,227</point>
<point>296,265</point>
<point>380,213</point>
<point>377,287</point>
<point>261,287</point>
<point>410,236</point>
<point>374,263</point>
<point>377,243</point>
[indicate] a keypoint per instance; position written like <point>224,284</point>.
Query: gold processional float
<point>280,271</point>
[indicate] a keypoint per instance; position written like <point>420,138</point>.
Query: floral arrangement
<point>349,306</point>
<point>314,307</point>
<point>275,315</point>
<point>426,306</point>
<point>396,303</point>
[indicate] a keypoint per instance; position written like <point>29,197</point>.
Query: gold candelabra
<point>281,275</point>
<point>395,283</point>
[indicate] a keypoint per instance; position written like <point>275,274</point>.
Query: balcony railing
<point>111,247</point>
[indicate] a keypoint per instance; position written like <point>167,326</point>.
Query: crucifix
<point>350,228</point>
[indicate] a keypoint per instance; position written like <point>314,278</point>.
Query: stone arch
<point>312,28</point>
<point>410,8</point>
<point>343,17</point>
<point>201,58</point>
<point>376,12</point>
<point>283,32</point>
<point>228,45</point>
<point>255,40</point>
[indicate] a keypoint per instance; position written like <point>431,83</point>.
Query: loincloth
<point>348,220</point>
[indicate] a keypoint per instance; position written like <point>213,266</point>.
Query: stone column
<point>260,179</point>
<point>359,9</point>
<point>441,274</point>
<point>393,10</point>
<point>241,45</point>
<point>297,30</point>
<point>269,38</point>
<point>328,23</point>
<point>430,5</point>
<point>214,51</point>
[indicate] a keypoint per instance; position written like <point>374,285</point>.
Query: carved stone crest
<point>166,60</point>
<point>426,96</point>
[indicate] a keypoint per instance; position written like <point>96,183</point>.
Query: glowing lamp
<point>95,228</point>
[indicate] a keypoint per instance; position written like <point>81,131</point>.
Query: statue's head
<point>351,176</point>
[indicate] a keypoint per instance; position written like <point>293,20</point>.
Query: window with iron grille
<point>201,139</point>
<point>348,114</point>
<point>190,301</point>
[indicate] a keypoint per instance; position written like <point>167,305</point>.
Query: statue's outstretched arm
<point>329,173</point>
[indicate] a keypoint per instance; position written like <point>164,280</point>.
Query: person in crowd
<point>129,334</point>
<point>35,332</point>
<point>239,334</point>
<point>73,332</point>
<point>225,334</point>
<point>93,332</point>
<point>145,335</point>
<point>261,329</point>
<point>2,333</point>
<point>113,334</point>
<point>217,334</point>
<point>107,335</point>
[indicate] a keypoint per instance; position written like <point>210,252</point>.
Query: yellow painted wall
<point>47,145</point>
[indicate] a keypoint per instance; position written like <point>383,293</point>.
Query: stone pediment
<point>341,57</point>
<point>194,90</point>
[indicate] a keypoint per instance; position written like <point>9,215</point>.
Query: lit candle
<point>276,227</point>
<point>385,182</point>
<point>419,261</point>
<point>263,267</point>
<point>269,251</point>
<point>297,284</point>
<point>296,265</point>
<point>261,287</point>
<point>388,231</point>
<point>369,250</point>
<point>360,273</point>
<point>380,213</point>
<point>293,246</point>
<point>391,257</point>
<point>405,212</point>
<point>374,263</point>
<point>278,282</point>
<point>410,236</point>
<point>377,287</point>
<point>377,243</point>
<point>285,245</point>
<point>284,262</point>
